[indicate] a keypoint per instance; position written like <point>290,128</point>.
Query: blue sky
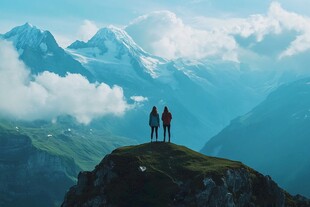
<point>69,20</point>
<point>121,12</point>
<point>261,33</point>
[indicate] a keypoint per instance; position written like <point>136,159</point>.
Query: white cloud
<point>63,40</point>
<point>288,20</point>
<point>139,98</point>
<point>164,34</point>
<point>77,30</point>
<point>257,25</point>
<point>276,21</point>
<point>295,22</point>
<point>87,30</point>
<point>299,45</point>
<point>48,95</point>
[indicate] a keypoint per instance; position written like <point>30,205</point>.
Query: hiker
<point>166,118</point>
<point>154,122</point>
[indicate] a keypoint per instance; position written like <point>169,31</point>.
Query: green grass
<point>160,155</point>
<point>69,140</point>
<point>167,167</point>
<point>79,148</point>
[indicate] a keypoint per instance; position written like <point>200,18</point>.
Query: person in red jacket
<point>166,118</point>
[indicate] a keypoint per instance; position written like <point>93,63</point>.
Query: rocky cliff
<point>162,174</point>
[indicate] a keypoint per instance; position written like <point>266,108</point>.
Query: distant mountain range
<point>203,95</point>
<point>273,138</point>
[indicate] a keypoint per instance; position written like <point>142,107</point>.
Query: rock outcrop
<point>162,174</point>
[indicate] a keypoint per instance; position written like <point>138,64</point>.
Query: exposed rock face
<point>162,174</point>
<point>31,177</point>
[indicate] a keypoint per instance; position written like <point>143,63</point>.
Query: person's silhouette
<point>154,122</point>
<point>166,118</point>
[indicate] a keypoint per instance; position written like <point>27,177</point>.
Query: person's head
<point>154,110</point>
<point>166,109</point>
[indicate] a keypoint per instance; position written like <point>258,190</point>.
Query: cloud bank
<point>276,21</point>
<point>87,30</point>
<point>48,95</point>
<point>294,22</point>
<point>164,34</point>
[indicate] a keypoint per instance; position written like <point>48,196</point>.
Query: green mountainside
<point>40,160</point>
<point>273,138</point>
<point>164,174</point>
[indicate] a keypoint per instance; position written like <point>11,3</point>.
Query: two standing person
<point>155,123</point>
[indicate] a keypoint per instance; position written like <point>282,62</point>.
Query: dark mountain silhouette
<point>40,160</point>
<point>273,138</point>
<point>162,174</point>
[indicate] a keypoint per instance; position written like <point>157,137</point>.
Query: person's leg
<point>152,132</point>
<point>165,127</point>
<point>169,131</point>
<point>156,131</point>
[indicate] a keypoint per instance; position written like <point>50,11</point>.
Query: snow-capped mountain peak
<point>40,51</point>
<point>27,27</point>
<point>112,45</point>
<point>111,39</point>
<point>117,35</point>
<point>27,35</point>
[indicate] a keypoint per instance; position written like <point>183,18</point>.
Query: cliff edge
<point>164,174</point>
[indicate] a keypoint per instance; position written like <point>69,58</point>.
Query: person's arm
<point>150,120</point>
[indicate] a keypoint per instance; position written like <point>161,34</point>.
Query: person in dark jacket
<point>166,118</point>
<point>154,122</point>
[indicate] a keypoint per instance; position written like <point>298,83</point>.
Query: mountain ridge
<point>40,51</point>
<point>34,155</point>
<point>114,34</point>
<point>165,82</point>
<point>26,170</point>
<point>114,45</point>
<point>164,174</point>
<point>273,137</point>
<point>27,35</point>
<point>224,89</point>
